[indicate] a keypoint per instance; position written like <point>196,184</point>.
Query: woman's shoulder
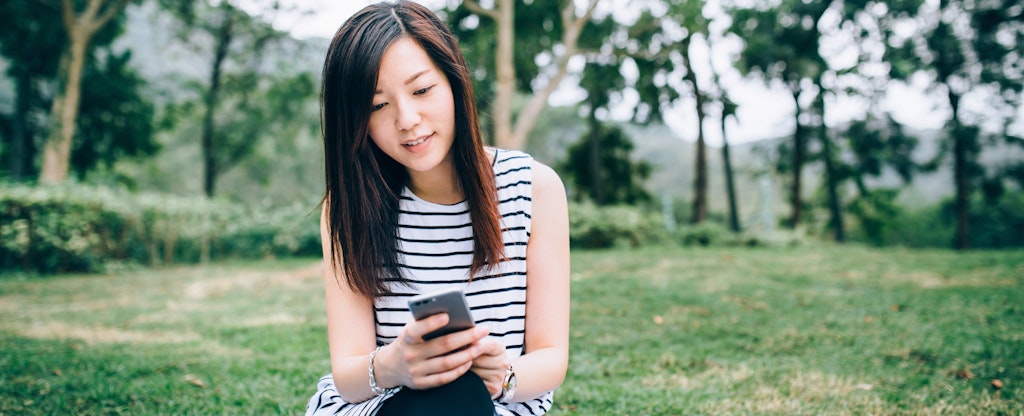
<point>546,181</point>
<point>501,156</point>
<point>542,174</point>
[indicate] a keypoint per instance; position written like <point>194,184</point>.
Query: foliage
<point>591,226</point>
<point>657,331</point>
<point>969,49</point>
<point>621,178</point>
<point>118,120</point>
<point>77,228</point>
<point>115,117</point>
<point>715,233</point>
<point>874,211</point>
<point>996,223</point>
<point>246,99</point>
<point>706,233</point>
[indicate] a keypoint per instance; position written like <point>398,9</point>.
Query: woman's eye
<point>378,106</point>
<point>422,91</point>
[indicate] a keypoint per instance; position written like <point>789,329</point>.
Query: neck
<point>439,186</point>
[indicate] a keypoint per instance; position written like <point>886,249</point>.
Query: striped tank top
<point>435,253</point>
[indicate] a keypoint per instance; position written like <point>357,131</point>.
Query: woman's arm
<point>350,329</point>
<point>409,361</point>
<point>542,368</point>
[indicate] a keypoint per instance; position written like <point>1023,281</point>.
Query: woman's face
<point>413,114</point>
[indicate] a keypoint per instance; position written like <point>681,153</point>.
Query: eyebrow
<point>409,80</point>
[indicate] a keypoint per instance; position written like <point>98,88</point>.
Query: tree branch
<point>67,15</point>
<point>573,26</point>
<point>116,8</point>
<point>475,7</point>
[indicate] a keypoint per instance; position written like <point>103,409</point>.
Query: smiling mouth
<point>416,142</point>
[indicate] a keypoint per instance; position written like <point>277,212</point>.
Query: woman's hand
<point>491,365</point>
<point>420,364</point>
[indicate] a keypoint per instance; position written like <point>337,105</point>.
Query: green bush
<point>994,223</point>
<point>80,228</point>
<point>716,234</point>
<point>591,226</point>
<point>997,222</point>
<point>707,233</point>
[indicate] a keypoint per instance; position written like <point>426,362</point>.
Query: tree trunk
<point>505,66</point>
<point>210,171</point>
<point>831,176</point>
<point>798,161</point>
<point>730,189</point>
<point>700,198</point>
<point>832,180</point>
<point>960,176</point>
<point>507,135</point>
<point>57,150</point>
<point>64,113</point>
<point>595,156</point>
<point>19,128</point>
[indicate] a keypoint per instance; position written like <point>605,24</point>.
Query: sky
<point>764,111</point>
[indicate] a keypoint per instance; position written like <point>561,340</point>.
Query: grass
<point>657,331</point>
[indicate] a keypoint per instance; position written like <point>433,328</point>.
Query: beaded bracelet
<point>378,390</point>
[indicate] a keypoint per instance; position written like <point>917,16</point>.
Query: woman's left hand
<point>491,365</point>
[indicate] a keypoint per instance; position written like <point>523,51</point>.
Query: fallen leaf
<point>864,386</point>
<point>195,381</point>
<point>964,374</point>
<point>659,320</point>
<point>997,384</point>
<point>868,319</point>
<point>56,372</point>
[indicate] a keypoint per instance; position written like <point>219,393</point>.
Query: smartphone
<point>452,301</point>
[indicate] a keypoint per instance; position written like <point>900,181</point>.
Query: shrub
<point>80,228</point>
<point>994,223</point>
<point>706,233</point>
<point>591,226</point>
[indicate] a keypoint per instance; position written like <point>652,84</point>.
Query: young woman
<point>415,203</point>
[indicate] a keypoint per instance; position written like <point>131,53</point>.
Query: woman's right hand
<point>412,362</point>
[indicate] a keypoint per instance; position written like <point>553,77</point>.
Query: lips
<point>415,142</point>
<point>418,141</point>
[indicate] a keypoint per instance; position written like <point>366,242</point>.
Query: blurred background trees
<point>213,99</point>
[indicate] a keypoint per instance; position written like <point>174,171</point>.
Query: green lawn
<point>657,331</point>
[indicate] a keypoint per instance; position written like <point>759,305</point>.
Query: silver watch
<point>508,386</point>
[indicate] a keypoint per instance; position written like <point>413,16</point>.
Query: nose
<point>408,116</point>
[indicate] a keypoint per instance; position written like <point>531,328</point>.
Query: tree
<point>80,27</point>
<point>600,80</point>
<point>114,118</point>
<point>966,47</point>
<point>876,144</point>
<point>233,98</point>
<point>25,41</point>
<point>781,43</point>
<point>119,120</point>
<point>729,110</point>
<point>623,178</point>
<point>521,34</point>
<point>660,47</point>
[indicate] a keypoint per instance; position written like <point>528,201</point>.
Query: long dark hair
<point>363,184</point>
